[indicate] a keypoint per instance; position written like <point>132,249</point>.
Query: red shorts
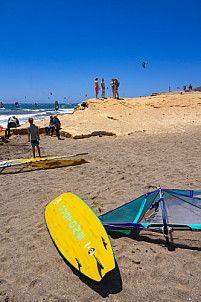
<point>96,88</point>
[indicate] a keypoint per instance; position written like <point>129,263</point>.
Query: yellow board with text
<point>80,236</point>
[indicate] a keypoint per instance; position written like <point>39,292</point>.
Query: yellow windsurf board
<point>80,236</point>
<point>50,164</point>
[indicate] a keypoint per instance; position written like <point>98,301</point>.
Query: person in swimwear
<point>117,87</point>
<point>103,88</point>
<point>112,85</point>
<point>96,87</point>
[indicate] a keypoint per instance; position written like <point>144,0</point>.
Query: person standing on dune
<point>96,87</point>
<point>103,88</point>
<point>113,86</point>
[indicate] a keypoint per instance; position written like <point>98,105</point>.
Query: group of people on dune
<point>115,86</point>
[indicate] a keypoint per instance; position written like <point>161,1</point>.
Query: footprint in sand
<point>191,268</point>
<point>4,240</point>
<point>159,259</point>
<point>33,283</point>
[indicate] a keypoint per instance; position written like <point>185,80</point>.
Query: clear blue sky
<point>60,46</point>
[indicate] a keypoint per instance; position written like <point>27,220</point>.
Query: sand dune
<point>158,114</point>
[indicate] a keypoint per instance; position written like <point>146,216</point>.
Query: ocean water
<point>29,110</point>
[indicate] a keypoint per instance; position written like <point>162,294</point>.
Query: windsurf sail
<point>13,162</point>
<point>162,210</point>
<point>56,105</point>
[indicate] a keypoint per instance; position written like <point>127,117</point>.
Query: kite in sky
<point>144,64</point>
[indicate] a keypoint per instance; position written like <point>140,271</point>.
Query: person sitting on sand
<point>103,88</point>
<point>33,133</point>
<point>84,105</point>
<point>96,87</point>
<point>13,122</point>
<point>56,125</point>
<point>48,129</point>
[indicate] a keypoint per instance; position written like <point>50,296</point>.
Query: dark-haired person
<point>96,87</point>
<point>117,87</point>
<point>13,122</point>
<point>48,129</point>
<point>56,125</point>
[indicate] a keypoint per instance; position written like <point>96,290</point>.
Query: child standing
<point>33,132</point>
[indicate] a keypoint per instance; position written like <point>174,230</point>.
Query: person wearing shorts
<point>33,135</point>
<point>103,88</point>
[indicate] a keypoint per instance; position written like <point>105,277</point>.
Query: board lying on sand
<point>57,163</point>
<point>43,162</point>
<point>80,236</point>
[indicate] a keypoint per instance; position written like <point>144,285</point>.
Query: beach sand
<point>118,170</point>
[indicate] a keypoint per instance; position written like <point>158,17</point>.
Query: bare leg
<point>39,151</point>
<point>96,94</point>
<point>33,149</point>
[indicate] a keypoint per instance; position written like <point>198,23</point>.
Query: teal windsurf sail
<point>162,210</point>
<point>56,105</point>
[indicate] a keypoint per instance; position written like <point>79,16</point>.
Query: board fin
<point>99,263</point>
<point>79,264</point>
<point>104,242</point>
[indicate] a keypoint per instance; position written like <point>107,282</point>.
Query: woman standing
<point>96,87</point>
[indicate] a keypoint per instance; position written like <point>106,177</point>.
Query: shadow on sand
<point>150,239</point>
<point>110,284</point>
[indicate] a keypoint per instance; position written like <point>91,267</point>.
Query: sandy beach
<point>133,146</point>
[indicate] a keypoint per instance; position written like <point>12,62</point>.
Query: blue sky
<point>61,46</point>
